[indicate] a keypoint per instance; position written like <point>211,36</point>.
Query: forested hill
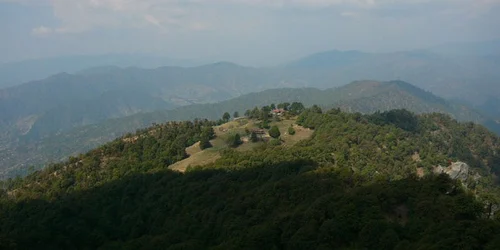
<point>359,96</point>
<point>361,181</point>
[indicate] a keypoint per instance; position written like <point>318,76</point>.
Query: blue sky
<point>251,32</point>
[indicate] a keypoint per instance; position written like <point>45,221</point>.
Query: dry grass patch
<point>199,159</point>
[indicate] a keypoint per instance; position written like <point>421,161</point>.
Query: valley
<point>230,124</point>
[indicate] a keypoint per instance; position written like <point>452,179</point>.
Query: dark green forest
<point>353,185</point>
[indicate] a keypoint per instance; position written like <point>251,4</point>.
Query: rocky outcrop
<point>456,171</point>
<point>460,171</point>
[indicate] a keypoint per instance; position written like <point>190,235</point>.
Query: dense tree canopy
<point>353,185</point>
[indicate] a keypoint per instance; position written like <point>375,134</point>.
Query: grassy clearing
<point>198,157</point>
<point>301,133</point>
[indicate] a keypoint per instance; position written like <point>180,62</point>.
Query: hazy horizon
<point>254,33</point>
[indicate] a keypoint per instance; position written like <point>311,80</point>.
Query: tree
<point>284,106</point>
<point>205,143</point>
<point>236,114</point>
<point>233,140</point>
<point>291,130</point>
<point>253,137</point>
<point>296,108</point>
<point>273,106</point>
<point>274,132</point>
<point>247,113</point>
<point>264,124</point>
<point>316,109</point>
<point>255,113</point>
<point>208,132</point>
<point>264,115</point>
<point>226,117</point>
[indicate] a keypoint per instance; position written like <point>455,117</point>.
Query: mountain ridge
<point>332,190</point>
<point>382,96</point>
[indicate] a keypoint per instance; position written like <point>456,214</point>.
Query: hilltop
<point>360,96</point>
<point>359,181</point>
<point>242,126</point>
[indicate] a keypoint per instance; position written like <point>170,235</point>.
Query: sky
<point>249,32</point>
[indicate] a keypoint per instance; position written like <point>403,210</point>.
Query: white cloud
<point>42,30</point>
<point>153,20</point>
<point>83,15</point>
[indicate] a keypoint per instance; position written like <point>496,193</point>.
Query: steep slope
<point>332,191</point>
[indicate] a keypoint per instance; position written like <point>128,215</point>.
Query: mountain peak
<point>332,58</point>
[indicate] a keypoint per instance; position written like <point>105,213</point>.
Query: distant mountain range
<point>64,105</point>
<point>359,96</point>
<point>15,73</point>
<point>65,101</point>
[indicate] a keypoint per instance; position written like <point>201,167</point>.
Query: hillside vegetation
<point>360,96</point>
<point>352,185</point>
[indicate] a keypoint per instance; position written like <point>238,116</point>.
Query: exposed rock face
<point>457,170</point>
<point>491,210</point>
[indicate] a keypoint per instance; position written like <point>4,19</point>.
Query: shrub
<point>274,132</point>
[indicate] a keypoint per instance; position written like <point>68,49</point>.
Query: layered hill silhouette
<point>360,96</point>
<point>31,105</point>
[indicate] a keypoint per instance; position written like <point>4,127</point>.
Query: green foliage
<point>292,205</point>
<point>264,125</point>
<point>274,132</point>
<point>233,140</point>
<point>275,142</point>
<point>351,186</point>
<point>291,130</point>
<point>316,109</point>
<point>254,137</point>
<point>296,108</point>
<point>236,114</point>
<point>403,119</point>
<point>365,97</point>
<point>226,117</point>
<point>205,143</point>
<point>284,105</point>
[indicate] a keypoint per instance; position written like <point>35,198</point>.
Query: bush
<point>275,142</point>
<point>253,137</point>
<point>291,130</point>
<point>205,143</point>
<point>264,125</point>
<point>274,132</point>
<point>233,140</point>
